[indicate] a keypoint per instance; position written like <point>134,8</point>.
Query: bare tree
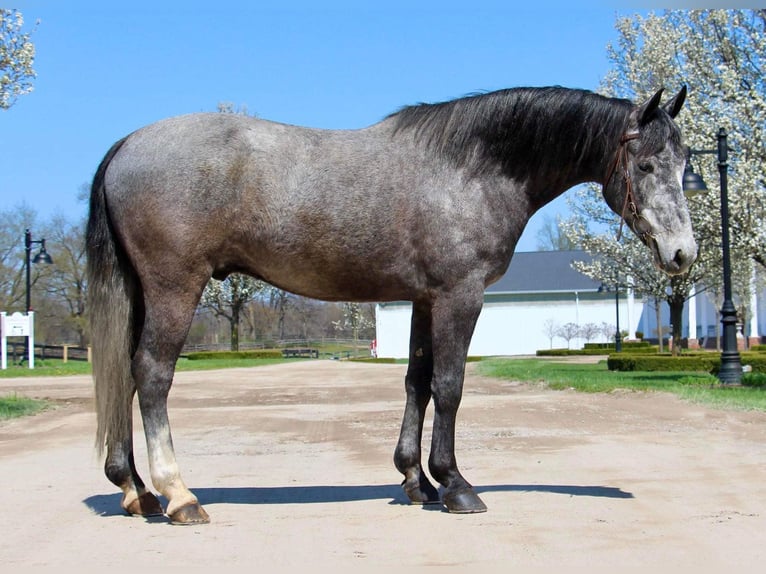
<point>568,331</point>
<point>65,281</point>
<point>550,328</point>
<point>607,331</point>
<point>589,331</point>
<point>552,237</point>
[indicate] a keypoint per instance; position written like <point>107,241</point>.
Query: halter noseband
<point>638,224</point>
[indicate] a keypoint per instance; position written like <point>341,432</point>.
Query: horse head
<point>643,183</point>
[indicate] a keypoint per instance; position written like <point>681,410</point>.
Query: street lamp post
<point>731,364</point>
<point>617,336</point>
<point>41,257</point>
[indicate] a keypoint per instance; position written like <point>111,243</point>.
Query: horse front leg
<point>454,317</point>
<point>407,456</point>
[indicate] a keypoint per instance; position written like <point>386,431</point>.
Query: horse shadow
<point>109,504</point>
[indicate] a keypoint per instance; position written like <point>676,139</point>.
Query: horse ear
<point>645,110</point>
<point>674,105</point>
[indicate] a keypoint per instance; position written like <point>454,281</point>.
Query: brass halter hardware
<point>638,223</point>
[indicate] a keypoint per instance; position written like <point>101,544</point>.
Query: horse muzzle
<point>674,256</point>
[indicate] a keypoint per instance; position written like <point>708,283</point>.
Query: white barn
<point>542,286</point>
<point>538,287</point>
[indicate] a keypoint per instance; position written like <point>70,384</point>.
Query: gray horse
<point>425,206</point>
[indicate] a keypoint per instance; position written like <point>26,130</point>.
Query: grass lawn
<point>14,406</point>
<point>596,378</point>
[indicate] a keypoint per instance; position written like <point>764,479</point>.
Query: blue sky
<point>108,68</point>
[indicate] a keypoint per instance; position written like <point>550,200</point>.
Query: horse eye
<point>646,167</point>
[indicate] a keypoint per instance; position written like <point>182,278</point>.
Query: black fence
<point>18,351</point>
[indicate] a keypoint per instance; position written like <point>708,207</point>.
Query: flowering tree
<point>17,56</point>
<point>720,55</point>
<point>625,261</point>
<point>355,319</point>
<point>228,298</point>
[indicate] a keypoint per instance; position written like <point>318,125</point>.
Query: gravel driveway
<point>294,464</point>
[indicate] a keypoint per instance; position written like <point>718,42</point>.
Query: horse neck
<point>577,153</point>
<point>544,140</point>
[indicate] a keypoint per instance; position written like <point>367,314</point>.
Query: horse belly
<point>331,271</point>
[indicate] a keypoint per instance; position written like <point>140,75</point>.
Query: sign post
<point>17,325</point>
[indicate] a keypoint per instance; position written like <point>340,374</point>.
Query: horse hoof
<point>190,514</point>
<point>145,505</point>
<point>421,492</point>
<point>464,501</point>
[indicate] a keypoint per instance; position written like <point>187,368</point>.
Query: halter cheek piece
<point>638,223</point>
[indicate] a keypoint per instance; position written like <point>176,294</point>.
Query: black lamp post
<point>41,257</point>
<point>731,364</point>
<point>617,336</point>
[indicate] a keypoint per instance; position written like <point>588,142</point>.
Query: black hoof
<point>464,501</point>
<point>421,492</point>
<point>191,514</point>
<point>145,505</point>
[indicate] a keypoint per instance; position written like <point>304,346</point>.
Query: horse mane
<point>526,131</point>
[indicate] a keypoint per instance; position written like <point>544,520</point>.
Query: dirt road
<point>294,465</point>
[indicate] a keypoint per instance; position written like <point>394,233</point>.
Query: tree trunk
<point>658,316</point>
<point>676,320</point>
<point>234,323</point>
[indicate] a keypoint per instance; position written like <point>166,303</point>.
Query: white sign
<point>17,325</point>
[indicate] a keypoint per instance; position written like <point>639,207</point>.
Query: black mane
<point>526,131</point>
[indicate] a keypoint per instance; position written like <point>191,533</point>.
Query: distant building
<point>541,287</point>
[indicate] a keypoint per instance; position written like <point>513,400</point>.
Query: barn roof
<point>544,271</point>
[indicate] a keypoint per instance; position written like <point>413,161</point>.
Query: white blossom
<point>17,56</point>
<point>720,55</point>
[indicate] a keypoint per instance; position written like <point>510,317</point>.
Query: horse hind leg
<point>407,456</point>
<point>120,468</point>
<point>113,303</point>
<point>164,331</point>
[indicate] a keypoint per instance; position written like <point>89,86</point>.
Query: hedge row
<point>600,350</point>
<point>625,345</point>
<point>252,354</point>
<point>705,362</point>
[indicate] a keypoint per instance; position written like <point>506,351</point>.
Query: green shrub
<point>252,354</point>
<point>554,352</point>
<point>599,349</point>
<point>754,380</point>
<point>756,360</point>
<point>625,345</point>
<point>662,362</point>
<point>700,361</point>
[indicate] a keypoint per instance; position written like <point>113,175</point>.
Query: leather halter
<point>638,223</point>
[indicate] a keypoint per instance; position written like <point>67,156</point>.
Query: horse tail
<point>112,286</point>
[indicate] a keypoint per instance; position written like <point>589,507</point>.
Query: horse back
<point>336,215</point>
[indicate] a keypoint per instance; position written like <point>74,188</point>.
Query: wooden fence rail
<point>17,352</point>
